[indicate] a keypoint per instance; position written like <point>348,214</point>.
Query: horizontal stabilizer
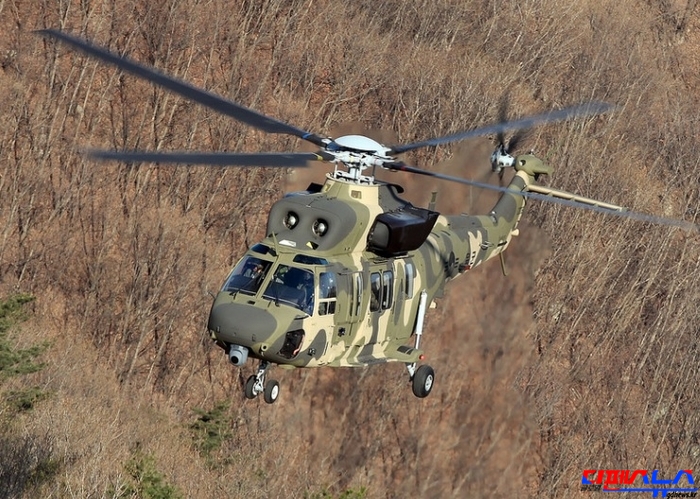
<point>547,191</point>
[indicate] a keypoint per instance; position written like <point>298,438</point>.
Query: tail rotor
<point>502,157</point>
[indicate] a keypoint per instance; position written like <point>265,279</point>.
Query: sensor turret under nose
<point>238,355</point>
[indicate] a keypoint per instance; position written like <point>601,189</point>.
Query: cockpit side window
<point>327,293</point>
<point>247,276</point>
<point>292,286</point>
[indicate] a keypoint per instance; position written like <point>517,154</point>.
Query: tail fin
<point>532,165</point>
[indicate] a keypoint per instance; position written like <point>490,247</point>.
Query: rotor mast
<point>357,153</point>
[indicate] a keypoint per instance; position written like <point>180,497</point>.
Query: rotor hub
<point>357,153</point>
<point>501,159</point>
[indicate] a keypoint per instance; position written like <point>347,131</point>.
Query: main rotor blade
<point>212,158</point>
<point>588,109</point>
<point>643,217</point>
<point>213,101</point>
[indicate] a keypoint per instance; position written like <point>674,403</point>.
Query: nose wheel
<point>272,391</point>
<point>255,385</point>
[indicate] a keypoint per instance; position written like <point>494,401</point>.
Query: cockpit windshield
<point>292,286</point>
<point>247,276</point>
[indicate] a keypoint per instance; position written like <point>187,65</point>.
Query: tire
<point>250,388</point>
<point>272,392</point>
<point>423,381</point>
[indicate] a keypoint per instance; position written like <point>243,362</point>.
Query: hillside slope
<point>585,356</point>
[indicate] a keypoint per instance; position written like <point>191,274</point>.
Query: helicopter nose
<point>241,324</point>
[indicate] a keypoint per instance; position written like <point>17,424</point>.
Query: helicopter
<point>348,269</point>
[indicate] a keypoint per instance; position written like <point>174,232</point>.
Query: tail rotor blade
<point>517,138</point>
<point>502,118</point>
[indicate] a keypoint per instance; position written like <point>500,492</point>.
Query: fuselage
<point>337,281</point>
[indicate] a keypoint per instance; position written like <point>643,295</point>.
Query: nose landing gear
<point>255,385</point>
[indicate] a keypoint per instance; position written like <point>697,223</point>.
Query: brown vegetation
<point>586,356</point>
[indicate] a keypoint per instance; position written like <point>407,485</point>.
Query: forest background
<point>586,356</point>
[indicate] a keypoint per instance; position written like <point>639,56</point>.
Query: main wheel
<point>272,391</point>
<point>250,388</point>
<point>423,381</point>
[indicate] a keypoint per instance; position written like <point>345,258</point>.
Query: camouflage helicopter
<point>348,268</point>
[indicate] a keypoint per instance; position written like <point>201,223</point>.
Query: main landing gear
<point>422,379</point>
<point>256,385</point>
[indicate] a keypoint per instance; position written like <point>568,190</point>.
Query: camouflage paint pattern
<point>356,335</point>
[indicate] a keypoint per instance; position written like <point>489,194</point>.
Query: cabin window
<point>327,293</point>
<point>387,289</point>
<point>375,286</point>
<point>410,274</point>
<point>358,294</point>
<point>381,287</point>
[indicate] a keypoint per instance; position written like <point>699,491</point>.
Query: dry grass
<point>585,356</point>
